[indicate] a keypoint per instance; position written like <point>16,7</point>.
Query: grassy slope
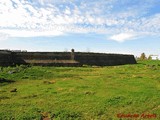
<point>80,93</point>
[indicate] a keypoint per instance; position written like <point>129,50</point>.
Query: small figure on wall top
<point>72,54</point>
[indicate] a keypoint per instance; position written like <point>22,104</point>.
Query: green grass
<point>70,93</point>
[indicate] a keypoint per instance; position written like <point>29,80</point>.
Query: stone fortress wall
<point>11,58</point>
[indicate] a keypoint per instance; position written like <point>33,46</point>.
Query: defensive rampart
<point>10,58</point>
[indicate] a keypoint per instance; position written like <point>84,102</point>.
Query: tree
<point>143,56</point>
<point>149,58</point>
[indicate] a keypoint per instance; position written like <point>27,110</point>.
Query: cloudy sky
<point>109,26</point>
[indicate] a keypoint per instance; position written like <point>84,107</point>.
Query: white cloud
<point>54,17</point>
<point>30,33</point>
<point>3,36</point>
<point>122,37</point>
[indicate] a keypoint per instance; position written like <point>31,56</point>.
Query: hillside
<point>80,92</point>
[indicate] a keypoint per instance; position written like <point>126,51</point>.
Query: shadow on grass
<point>2,80</point>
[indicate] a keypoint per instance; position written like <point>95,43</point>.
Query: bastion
<point>18,57</point>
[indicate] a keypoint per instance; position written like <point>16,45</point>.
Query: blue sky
<point>108,26</point>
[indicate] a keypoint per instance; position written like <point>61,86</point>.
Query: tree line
<point>144,57</point>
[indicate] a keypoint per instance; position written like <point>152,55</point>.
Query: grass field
<point>73,93</point>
